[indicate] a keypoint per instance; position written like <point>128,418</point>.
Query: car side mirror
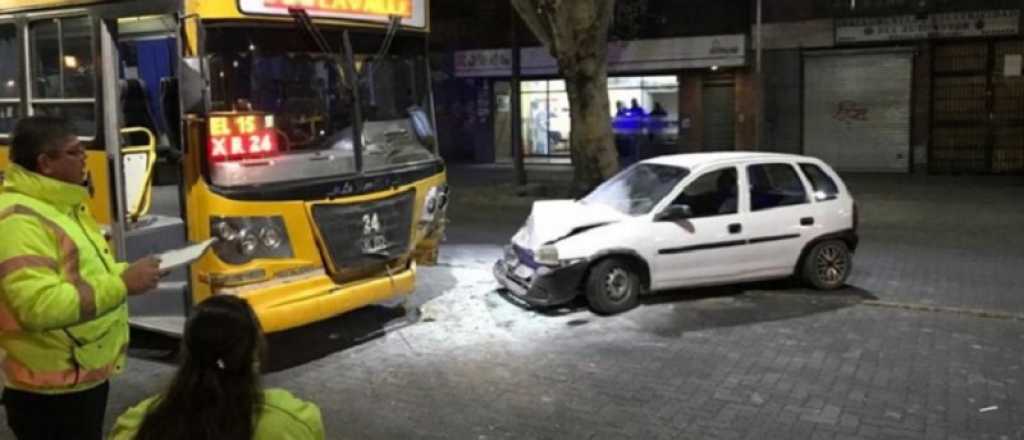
<point>674,212</point>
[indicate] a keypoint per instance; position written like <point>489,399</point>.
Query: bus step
<point>158,234</point>
<point>173,326</point>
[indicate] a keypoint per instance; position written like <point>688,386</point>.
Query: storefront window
<point>644,111</point>
<point>651,102</point>
<point>545,110</point>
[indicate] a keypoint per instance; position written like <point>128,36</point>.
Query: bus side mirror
<point>423,126</point>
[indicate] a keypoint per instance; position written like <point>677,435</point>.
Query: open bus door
<point>140,56</point>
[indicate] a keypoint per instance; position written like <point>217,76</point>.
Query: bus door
<point>144,57</point>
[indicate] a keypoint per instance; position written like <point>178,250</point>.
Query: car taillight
<point>239,136</point>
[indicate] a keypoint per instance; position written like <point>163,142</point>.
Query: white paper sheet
<point>180,257</point>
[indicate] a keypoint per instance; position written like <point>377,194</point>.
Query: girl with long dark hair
<point>216,393</point>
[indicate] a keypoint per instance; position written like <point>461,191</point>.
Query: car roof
<point>695,161</point>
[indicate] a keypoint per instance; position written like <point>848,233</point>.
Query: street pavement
<point>927,342</point>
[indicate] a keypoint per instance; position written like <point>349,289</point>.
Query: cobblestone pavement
<point>772,360</point>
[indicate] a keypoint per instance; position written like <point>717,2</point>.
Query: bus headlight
<point>435,202</point>
<point>243,239</point>
<point>249,244</point>
<point>224,231</point>
<point>270,237</point>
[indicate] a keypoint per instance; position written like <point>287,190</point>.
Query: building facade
<point>867,85</point>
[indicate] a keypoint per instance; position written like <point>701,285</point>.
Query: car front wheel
<point>613,286</point>
<point>828,265</point>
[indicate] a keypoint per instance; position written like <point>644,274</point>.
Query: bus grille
<point>361,237</point>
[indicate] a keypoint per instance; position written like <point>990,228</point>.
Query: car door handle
<point>735,228</point>
<point>807,221</point>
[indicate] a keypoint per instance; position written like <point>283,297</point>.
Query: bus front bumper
<point>285,304</point>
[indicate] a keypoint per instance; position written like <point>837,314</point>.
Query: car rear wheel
<point>613,286</point>
<point>828,265</point>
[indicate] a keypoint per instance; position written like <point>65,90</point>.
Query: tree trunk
<point>592,147</point>
<point>576,34</point>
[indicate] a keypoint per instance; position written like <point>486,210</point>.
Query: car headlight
<point>243,239</point>
<point>547,255</point>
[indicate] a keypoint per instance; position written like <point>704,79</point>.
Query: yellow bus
<point>299,135</point>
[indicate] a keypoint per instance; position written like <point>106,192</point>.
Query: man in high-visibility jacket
<point>63,314</point>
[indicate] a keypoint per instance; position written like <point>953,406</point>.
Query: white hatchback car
<point>686,220</point>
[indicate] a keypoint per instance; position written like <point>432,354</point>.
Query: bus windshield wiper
<point>347,74</point>
<point>302,19</point>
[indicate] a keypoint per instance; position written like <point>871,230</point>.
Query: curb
<point>980,313</point>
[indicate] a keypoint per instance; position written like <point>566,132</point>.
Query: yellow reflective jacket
<point>63,316</point>
<point>282,417</point>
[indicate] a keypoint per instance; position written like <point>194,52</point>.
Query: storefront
<point>652,87</point>
<point>938,91</point>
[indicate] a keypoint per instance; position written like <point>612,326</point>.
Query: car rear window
<point>824,187</point>
<point>774,186</point>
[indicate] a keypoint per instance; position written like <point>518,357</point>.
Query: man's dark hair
<point>37,135</point>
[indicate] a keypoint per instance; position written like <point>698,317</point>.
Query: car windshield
<point>281,72</point>
<point>636,190</point>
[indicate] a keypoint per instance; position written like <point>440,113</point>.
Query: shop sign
<point>486,62</point>
<point>412,12</point>
<point>623,57</point>
<point>939,25</point>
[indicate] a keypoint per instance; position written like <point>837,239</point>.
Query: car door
<point>703,248</point>
<point>780,219</point>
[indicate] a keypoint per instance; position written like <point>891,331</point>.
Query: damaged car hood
<point>553,220</point>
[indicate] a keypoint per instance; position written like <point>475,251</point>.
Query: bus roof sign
<point>412,12</point>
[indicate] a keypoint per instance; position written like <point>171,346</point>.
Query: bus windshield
<point>280,72</point>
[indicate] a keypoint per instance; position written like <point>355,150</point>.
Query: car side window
<point>824,187</point>
<point>775,185</point>
<point>713,193</point>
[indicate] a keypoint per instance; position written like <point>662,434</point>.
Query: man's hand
<point>142,276</point>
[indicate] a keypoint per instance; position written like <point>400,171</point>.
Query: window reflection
<point>638,189</point>
<point>10,107</point>
<point>63,69</point>
<point>79,115</point>
<point>45,37</point>
<point>77,59</point>
<point>9,114</point>
<point>8,69</point>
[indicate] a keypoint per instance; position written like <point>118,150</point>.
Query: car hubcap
<point>832,264</point>
<point>617,284</point>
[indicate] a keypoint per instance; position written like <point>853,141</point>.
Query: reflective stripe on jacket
<point>63,316</point>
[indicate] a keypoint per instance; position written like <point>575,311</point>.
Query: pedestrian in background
<point>216,393</point>
<point>63,315</point>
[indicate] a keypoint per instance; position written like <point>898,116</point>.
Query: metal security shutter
<point>857,109</point>
<point>719,102</point>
